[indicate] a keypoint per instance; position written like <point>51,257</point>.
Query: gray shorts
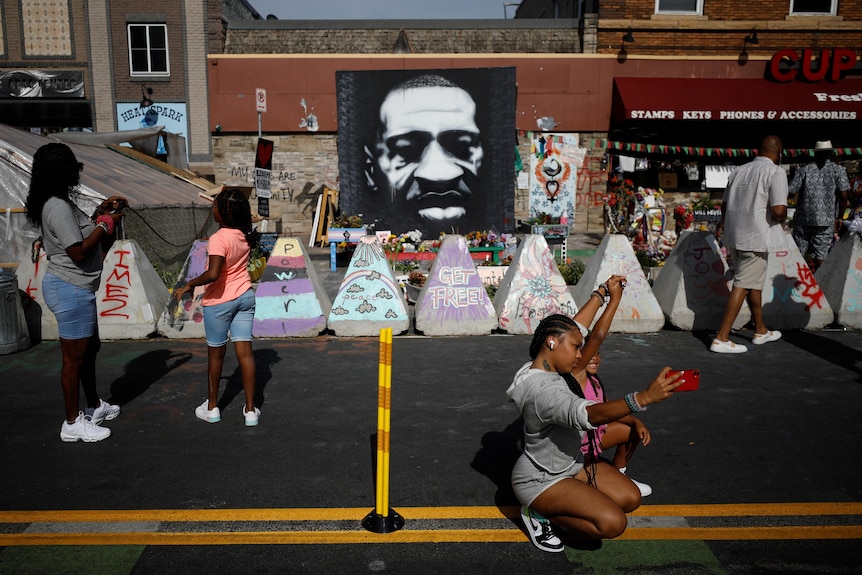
<point>749,269</point>
<point>528,481</point>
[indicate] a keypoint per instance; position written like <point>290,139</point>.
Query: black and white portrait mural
<point>432,150</point>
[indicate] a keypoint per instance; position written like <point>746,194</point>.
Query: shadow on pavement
<point>144,371</point>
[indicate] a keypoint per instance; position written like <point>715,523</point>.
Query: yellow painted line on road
<point>425,536</point>
<point>415,513</point>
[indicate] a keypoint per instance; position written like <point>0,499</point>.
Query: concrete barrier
<point>694,284</point>
<point>840,277</point>
<point>185,319</point>
<point>131,293</point>
<point>369,298</point>
<point>453,300</point>
<point>290,299</point>
<point>792,298</point>
<point>532,289</point>
<point>128,300</point>
<point>639,311</point>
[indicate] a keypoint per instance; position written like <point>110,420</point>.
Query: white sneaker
<point>251,417</point>
<point>105,412</point>
<point>540,531</point>
<point>761,338</point>
<point>83,429</point>
<point>209,415</point>
<point>642,487</point>
<point>719,346</point>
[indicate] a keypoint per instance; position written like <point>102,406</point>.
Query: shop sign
<point>787,65</point>
<point>41,84</point>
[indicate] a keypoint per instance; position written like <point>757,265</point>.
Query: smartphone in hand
<point>691,379</point>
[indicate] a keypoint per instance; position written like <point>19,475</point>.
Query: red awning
<point>734,99</point>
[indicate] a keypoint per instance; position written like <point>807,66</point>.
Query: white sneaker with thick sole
<point>82,429</point>
<point>540,531</point>
<point>105,412</point>
<point>719,346</point>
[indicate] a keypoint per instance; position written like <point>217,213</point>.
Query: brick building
<point>680,85</point>
<point>75,64</point>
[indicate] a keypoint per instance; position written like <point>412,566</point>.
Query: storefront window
<point>148,49</point>
<point>805,7</point>
<point>678,6</point>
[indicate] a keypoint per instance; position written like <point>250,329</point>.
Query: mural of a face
<point>429,150</point>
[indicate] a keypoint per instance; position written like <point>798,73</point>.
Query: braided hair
<point>556,324</point>
<point>235,213</point>
<point>55,174</point>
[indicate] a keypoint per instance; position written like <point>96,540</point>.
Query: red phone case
<point>691,377</point>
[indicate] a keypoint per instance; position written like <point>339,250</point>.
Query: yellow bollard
<point>383,519</point>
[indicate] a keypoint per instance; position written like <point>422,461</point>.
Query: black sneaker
<point>540,531</point>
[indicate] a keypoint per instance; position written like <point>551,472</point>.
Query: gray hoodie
<point>555,419</point>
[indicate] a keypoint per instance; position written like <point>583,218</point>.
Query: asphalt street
<point>753,473</point>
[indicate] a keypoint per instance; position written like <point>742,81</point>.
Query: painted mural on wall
<point>431,150</point>
<point>555,160</point>
<point>171,115</point>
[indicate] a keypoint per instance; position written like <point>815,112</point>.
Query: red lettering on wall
<point>117,288</point>
<point>831,63</point>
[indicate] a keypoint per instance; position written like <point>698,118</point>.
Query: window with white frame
<point>148,50</point>
<point>679,7</point>
<point>814,7</point>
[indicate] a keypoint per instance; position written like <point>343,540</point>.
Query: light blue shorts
<point>235,316</point>
<point>73,306</point>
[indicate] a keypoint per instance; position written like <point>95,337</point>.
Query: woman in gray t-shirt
<point>74,245</point>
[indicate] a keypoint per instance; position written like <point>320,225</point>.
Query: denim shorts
<point>235,316</point>
<point>74,307</point>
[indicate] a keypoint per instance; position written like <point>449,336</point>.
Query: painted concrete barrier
<point>453,300</point>
<point>694,284</point>
<point>369,298</point>
<point>639,311</point>
<point>840,277</point>
<point>290,299</point>
<point>792,298</point>
<point>128,300</point>
<point>185,319</point>
<point>532,289</point>
<point>131,294</point>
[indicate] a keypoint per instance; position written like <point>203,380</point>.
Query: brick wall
<point>278,39</point>
<point>724,24</point>
<point>301,165</point>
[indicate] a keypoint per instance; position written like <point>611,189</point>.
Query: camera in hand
<point>119,206</point>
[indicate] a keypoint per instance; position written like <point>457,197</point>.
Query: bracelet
<point>632,403</point>
<point>605,298</point>
<point>106,223</point>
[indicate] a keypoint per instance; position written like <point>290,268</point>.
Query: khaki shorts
<point>749,269</point>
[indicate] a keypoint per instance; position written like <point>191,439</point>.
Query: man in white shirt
<point>753,208</point>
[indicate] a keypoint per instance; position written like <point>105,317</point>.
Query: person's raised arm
<point>660,389</point>
<point>614,288</point>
